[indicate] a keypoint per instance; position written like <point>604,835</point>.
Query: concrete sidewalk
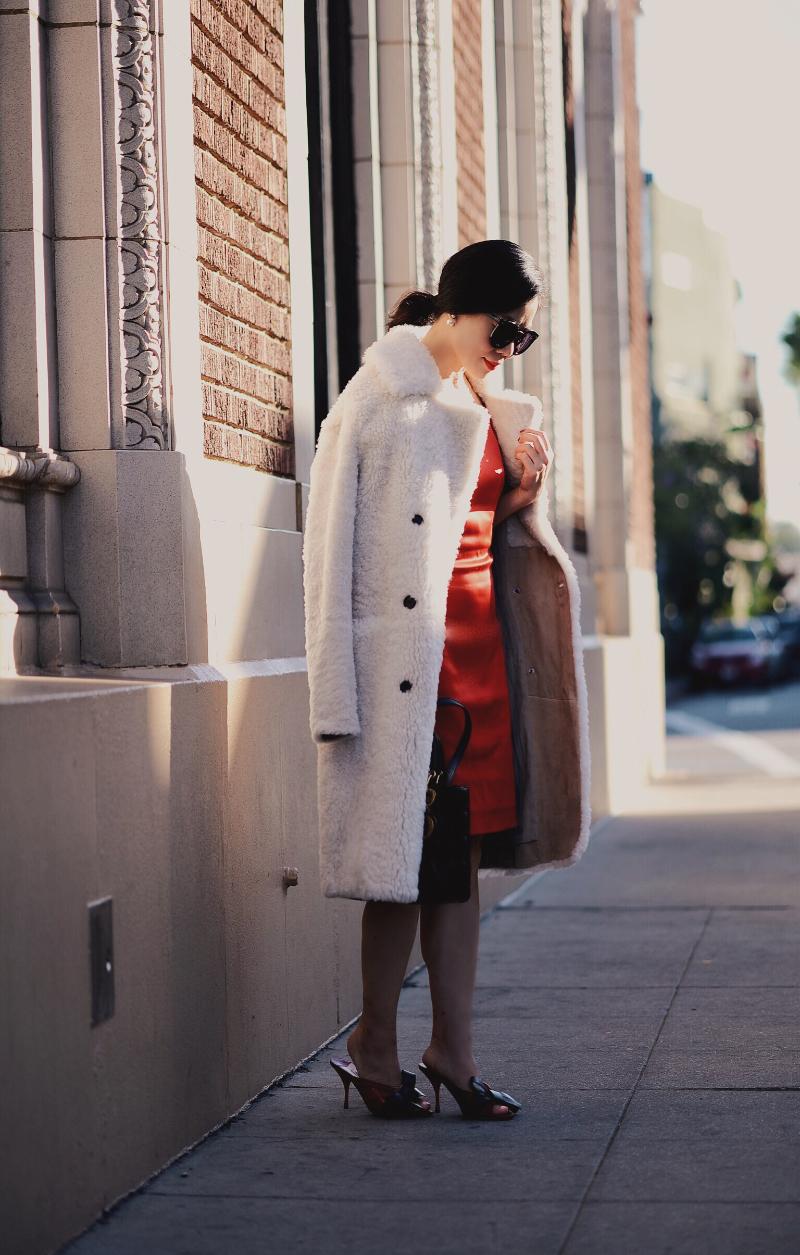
<point>642,1005</point>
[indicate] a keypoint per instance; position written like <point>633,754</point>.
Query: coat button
<point>409,601</point>
<point>516,588</point>
<point>405,686</point>
<point>417,518</point>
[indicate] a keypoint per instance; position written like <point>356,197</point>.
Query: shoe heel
<point>435,1080</point>
<point>437,1085</point>
<point>345,1081</point>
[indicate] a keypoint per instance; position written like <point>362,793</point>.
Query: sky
<point>719,99</point>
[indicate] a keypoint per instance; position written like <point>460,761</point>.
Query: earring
<point>451,322</point>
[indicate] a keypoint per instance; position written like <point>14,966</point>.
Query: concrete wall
<point>183,799</point>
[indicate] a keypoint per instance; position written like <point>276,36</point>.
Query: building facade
<point>693,293</point>
<point>707,429</point>
<point>207,209</point>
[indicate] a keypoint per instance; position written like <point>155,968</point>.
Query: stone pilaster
<point>38,620</point>
<point>625,662</point>
<point>123,528</point>
<point>427,142</point>
<point>549,157</point>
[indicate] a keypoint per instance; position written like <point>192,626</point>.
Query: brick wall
<point>471,176</point>
<point>243,230</point>
<point>640,522</point>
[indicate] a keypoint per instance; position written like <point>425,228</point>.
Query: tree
<point>710,537</point>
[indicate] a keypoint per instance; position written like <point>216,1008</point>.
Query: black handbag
<point>444,871</point>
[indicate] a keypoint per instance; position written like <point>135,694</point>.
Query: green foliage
<point>704,500</point>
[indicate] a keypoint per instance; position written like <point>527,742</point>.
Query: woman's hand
<point>534,454</point>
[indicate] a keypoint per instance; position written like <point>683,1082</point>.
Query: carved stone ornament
<point>146,422</point>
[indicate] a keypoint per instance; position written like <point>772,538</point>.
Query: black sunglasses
<point>505,331</point>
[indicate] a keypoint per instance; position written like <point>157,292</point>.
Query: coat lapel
<point>450,428</point>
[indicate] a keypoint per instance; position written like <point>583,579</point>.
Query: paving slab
<point>704,1145</point>
<point>522,1166</point>
<point>683,1228</point>
<point>736,859</point>
<point>567,947</point>
<point>732,1037</point>
<point>748,947</point>
<point>165,1225</point>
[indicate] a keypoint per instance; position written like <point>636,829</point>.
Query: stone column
<point>367,158</point>
<point>580,301</point>
<point>427,142</point>
<point>123,533</point>
<point>407,87</point>
<point>38,620</point>
<point>549,159</point>
<point>611,366</point>
<point>398,151</point>
<point>532,172</point>
<point>626,662</point>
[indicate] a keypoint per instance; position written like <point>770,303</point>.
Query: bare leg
<point>388,930</point>
<point>449,939</point>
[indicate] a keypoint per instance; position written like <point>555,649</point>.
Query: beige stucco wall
<point>183,799</point>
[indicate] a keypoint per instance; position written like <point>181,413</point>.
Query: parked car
<point>733,653</point>
<point>787,625</point>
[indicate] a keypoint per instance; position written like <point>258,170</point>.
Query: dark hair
<point>490,276</point>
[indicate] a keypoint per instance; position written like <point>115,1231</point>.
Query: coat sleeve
<point>328,580</point>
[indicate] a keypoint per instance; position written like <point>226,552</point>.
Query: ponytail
<point>487,275</point>
<point>415,307</point>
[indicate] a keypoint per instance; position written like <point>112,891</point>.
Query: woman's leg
<point>388,930</point>
<point>449,940</point>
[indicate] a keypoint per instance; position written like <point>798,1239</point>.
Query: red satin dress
<point>473,665</point>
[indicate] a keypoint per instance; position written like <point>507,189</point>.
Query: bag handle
<point>437,752</point>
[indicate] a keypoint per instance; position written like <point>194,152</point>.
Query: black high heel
<point>390,1101</point>
<point>478,1101</point>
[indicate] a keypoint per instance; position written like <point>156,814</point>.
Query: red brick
<point>242,239</point>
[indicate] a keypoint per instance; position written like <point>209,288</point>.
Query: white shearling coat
<point>397,461</point>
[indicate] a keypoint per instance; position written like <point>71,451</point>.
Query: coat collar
<point>405,364</point>
<point>408,369</point>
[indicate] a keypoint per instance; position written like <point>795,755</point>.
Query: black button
<point>417,518</point>
<point>409,601</point>
<point>405,686</point>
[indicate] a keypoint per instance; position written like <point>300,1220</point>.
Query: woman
<point>430,570</point>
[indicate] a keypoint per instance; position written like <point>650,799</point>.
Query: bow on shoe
<point>495,1095</point>
<point>407,1094</point>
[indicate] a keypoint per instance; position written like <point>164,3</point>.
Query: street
<point>729,732</point>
